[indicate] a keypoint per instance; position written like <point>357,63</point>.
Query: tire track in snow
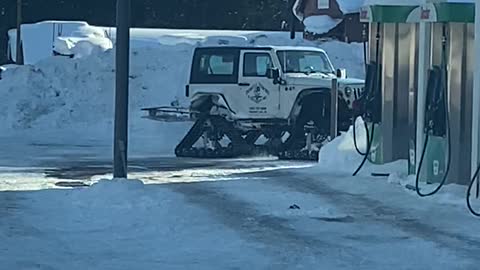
<point>370,210</point>
<point>288,245</point>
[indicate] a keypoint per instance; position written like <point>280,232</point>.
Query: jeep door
<point>258,94</point>
<point>215,73</point>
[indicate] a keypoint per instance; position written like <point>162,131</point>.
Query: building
<point>339,19</point>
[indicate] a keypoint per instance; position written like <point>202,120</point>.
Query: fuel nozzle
<point>435,113</point>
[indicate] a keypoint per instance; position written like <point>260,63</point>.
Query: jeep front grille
<point>357,92</point>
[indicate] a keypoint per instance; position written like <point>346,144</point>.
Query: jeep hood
<point>318,79</point>
<point>349,81</point>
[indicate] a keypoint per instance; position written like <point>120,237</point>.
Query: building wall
<point>349,30</point>
<point>7,21</point>
<point>310,8</point>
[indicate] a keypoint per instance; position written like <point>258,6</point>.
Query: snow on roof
<point>297,48</point>
<point>346,6</point>
<point>350,6</point>
<point>320,24</point>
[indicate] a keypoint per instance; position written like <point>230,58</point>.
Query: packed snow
<point>288,218</point>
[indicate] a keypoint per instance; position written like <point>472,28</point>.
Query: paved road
<point>365,233</point>
<point>341,222</point>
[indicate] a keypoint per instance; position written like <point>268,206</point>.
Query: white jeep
<point>270,99</point>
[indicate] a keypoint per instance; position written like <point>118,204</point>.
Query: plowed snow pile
<point>71,100</point>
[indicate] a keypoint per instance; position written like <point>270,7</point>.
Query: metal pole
<point>476,93</point>
<point>19,47</point>
<point>423,65</point>
<point>334,110</point>
<point>120,145</point>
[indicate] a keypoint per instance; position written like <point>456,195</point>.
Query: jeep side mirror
<point>273,73</point>
<point>341,73</point>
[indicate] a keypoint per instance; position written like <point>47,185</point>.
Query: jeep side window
<point>304,61</point>
<point>215,66</point>
<point>256,64</point>
<point>219,64</point>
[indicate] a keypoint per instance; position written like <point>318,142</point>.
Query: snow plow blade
<point>168,114</point>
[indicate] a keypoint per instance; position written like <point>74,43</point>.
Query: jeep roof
<point>271,47</point>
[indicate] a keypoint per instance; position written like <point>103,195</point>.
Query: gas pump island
<point>421,59</point>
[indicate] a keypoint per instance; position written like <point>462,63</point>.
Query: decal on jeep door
<point>257,93</point>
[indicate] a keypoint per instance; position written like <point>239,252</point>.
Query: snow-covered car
<point>66,38</point>
<point>273,98</point>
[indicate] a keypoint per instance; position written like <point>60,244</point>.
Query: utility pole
<point>122,60</point>
<point>19,47</point>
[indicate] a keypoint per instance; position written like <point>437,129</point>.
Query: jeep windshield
<point>306,62</point>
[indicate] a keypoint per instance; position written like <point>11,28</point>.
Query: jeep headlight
<point>348,92</point>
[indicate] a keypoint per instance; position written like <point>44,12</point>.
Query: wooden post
<point>334,110</point>
<point>19,47</point>
<point>122,62</point>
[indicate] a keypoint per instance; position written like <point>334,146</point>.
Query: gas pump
<point>370,70</point>
<point>437,125</point>
<point>369,106</point>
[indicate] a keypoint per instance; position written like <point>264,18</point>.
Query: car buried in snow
<point>251,100</point>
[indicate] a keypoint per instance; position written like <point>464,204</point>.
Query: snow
<point>340,156</point>
<point>81,47</point>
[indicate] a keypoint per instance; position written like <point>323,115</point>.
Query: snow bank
<point>71,100</point>
<point>340,156</point>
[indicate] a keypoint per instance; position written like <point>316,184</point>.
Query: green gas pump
<point>369,106</point>
<point>434,163</point>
